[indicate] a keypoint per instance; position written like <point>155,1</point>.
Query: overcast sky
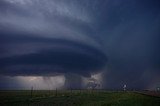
<point>44,40</point>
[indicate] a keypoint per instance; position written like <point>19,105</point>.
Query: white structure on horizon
<point>124,87</point>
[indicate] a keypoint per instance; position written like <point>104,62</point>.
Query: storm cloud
<point>119,37</point>
<point>64,56</point>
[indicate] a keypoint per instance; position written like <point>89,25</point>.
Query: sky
<point>61,44</point>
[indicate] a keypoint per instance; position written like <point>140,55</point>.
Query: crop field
<point>76,98</point>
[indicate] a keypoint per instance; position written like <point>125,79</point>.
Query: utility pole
<point>31,91</point>
<point>56,91</point>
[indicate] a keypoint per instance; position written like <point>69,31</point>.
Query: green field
<point>76,98</point>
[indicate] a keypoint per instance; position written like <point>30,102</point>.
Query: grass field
<point>76,98</point>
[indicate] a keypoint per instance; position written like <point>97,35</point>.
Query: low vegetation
<point>76,98</point>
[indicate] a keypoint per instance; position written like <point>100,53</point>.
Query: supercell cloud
<point>46,38</point>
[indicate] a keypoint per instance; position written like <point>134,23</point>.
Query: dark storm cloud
<point>51,38</point>
<point>131,36</point>
<point>64,56</point>
<point>82,30</point>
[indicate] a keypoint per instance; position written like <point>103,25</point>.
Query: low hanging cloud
<point>65,56</point>
<point>82,37</point>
